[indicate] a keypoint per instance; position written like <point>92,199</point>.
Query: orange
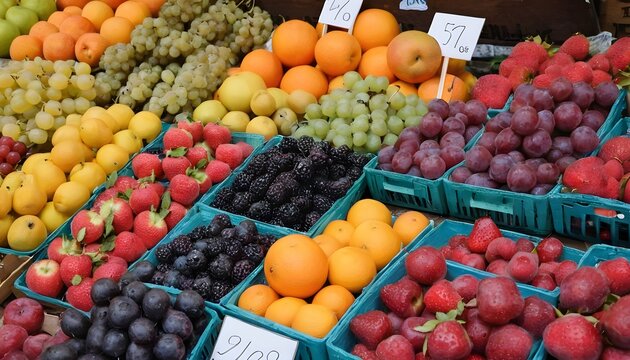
<point>368,209</point>
<point>62,4</point>
<point>76,25</point>
<point>337,52</point>
<point>454,89</point>
<point>72,10</point>
<point>58,46</point>
<point>283,310</point>
<point>113,3</point>
<point>374,62</point>
<point>153,5</point>
<point>314,320</point>
<point>257,298</point>
<point>379,239</point>
<point>336,298</point>
<point>375,27</point>
<point>405,87</point>
<point>117,30</point>
<point>328,243</point>
<point>335,83</point>
<point>133,11</point>
<point>409,225</point>
<point>340,230</point>
<point>351,267</point>
<point>264,63</point>
<point>97,12</point>
<point>296,266</point>
<point>25,47</point>
<point>57,18</point>
<point>307,78</point>
<point>293,42</point>
<point>42,29</point>
<point>90,47</point>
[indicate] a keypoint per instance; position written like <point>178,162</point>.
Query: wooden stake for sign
<point>442,77</point>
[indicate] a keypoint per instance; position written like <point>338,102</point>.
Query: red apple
<point>44,278</point>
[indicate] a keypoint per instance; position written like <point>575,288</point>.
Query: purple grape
<point>561,89</point>
<point>500,166</point>
<point>537,144</point>
<point>462,117</point>
<point>401,162</point>
<point>428,144</point>
<point>546,121</point>
<point>583,95</point>
<point>386,154</point>
<point>433,167</point>
<point>453,125</point>
<point>606,94</point>
<point>493,126</point>
<point>431,124</point>
<point>584,140</point>
<point>409,146</point>
<point>410,133</point>
<point>506,141</point>
<point>564,162</point>
<point>452,155</point>
<point>471,131</point>
<point>418,156</point>
<point>487,140</point>
<point>414,171</point>
<point>456,107</point>
<point>553,155</point>
<point>525,121</point>
<point>534,163</point>
<point>524,92</point>
<point>478,159</point>
<point>439,107</point>
<point>517,156</point>
<point>568,116</point>
<point>517,104</point>
<point>483,180</point>
<point>562,143</point>
<point>386,167</point>
<point>593,119</point>
<point>476,111</point>
<point>547,173</point>
<point>452,138</point>
<point>521,178</point>
<point>541,189</point>
<point>504,118</point>
<point>460,174</point>
<point>542,100</point>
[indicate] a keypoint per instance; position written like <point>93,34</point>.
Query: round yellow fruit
<point>6,201</point>
<point>237,91</point>
<point>235,121</point>
<point>101,114</point>
<point>88,152</point>
<point>262,125</point>
<point>52,218</point>
<point>89,174</point>
<point>95,132</point>
<point>13,181</point>
<point>209,111</point>
<point>48,177</point>
<point>70,196</point>
<point>5,224</point>
<point>29,198</point>
<point>66,133</point>
<point>73,120</point>
<point>285,119</point>
<point>112,158</point>
<point>128,141</point>
<point>280,96</point>
<point>122,114</point>
<point>67,154</point>
<point>263,103</point>
<point>26,233</point>
<point>146,125</point>
<point>31,162</point>
<point>299,99</point>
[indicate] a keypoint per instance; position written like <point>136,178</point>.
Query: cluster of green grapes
<point>37,95</point>
<point>364,114</point>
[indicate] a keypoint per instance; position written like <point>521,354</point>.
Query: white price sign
<point>340,13</point>
<point>456,34</point>
<point>239,340</point>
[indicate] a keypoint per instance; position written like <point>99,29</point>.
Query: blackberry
<point>171,278</point>
<point>254,252</point>
<point>289,214</point>
<point>285,177</point>
<point>336,171</point>
<point>186,283</point>
<point>259,186</point>
<point>180,264</point>
<point>242,201</point>
<point>196,260</point>
<point>223,199</point>
<point>221,267</point>
<point>277,193</point>
<point>303,203</point>
<point>164,253</point>
<point>215,247</point>
<point>266,241</point>
<point>234,250</point>
<point>354,172</point>
<point>257,165</point>
<point>288,145</point>
<point>359,160</point>
<point>311,218</point>
<point>163,267</point>
<point>181,245</point>
<point>304,144</point>
<point>319,157</point>
<point>304,170</point>
<point>221,220</point>
<point>281,163</point>
<point>260,211</point>
<point>241,270</point>
<point>321,185</point>
<point>157,278</point>
<point>340,187</point>
<point>242,181</point>
<point>249,225</point>
<point>202,285</point>
<point>277,222</point>
<point>206,232</point>
<point>322,203</point>
<point>325,146</point>
<point>245,234</point>
<point>219,289</point>
<point>197,233</point>
<point>200,245</point>
<point>289,181</point>
<point>341,154</point>
<point>229,235</point>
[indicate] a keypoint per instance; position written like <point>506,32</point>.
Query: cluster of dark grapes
<point>11,153</point>
<point>437,144</point>
<point>527,149</point>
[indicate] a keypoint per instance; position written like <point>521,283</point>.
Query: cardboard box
<point>11,267</point>
<point>50,325</point>
<point>615,17</point>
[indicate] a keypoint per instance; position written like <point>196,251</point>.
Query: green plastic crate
<point>600,252</point>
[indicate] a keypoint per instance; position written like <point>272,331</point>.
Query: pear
<point>299,99</point>
<point>29,199</point>
<point>263,103</point>
<point>285,119</point>
<point>43,8</point>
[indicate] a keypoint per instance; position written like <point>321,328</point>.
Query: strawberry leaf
<point>166,201</point>
<point>147,179</point>
<point>472,303</point>
<point>611,299</point>
<point>111,179</point>
<point>177,152</point>
<point>163,213</point>
<point>109,224</point>
<point>427,326</point>
<point>76,280</point>
<point>440,316</point>
<point>425,345</point>
<point>108,244</point>
<point>81,234</point>
<point>460,308</point>
<point>201,164</point>
<point>593,320</point>
<point>558,312</point>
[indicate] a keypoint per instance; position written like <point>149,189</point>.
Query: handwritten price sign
<point>456,34</point>
<point>340,13</point>
<point>239,340</point>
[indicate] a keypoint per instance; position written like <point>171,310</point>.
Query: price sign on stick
<point>239,340</point>
<point>340,13</point>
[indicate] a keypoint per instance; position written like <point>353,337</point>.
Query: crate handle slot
<point>397,188</point>
<point>486,205</point>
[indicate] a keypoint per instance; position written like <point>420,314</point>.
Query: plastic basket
<point>598,253</point>
<point>442,233</point>
<point>342,340</point>
<point>616,111</point>
<point>494,112</point>
<point>338,210</point>
<point>205,344</point>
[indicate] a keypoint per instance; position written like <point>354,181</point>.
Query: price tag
<point>456,34</point>
<point>340,13</point>
<point>242,341</point>
<point>420,5</point>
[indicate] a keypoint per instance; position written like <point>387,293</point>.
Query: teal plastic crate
<point>448,228</point>
<point>600,252</point>
<point>494,112</point>
<point>342,340</point>
<point>616,112</point>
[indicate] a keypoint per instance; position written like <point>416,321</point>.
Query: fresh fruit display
<point>528,148</point>
<point>438,140</point>
<point>292,184</point>
<point>17,19</point>
<point>21,330</point>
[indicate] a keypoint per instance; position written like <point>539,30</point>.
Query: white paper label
<point>420,5</point>
<point>456,34</point>
<point>239,340</point>
<point>340,13</point>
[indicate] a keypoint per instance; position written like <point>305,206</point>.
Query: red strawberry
<point>564,269</point>
<point>78,294</point>
<point>62,247</point>
<point>143,199</point>
<point>509,342</point>
<point>493,90</point>
<point>611,353</point>
<point>107,194</point>
<point>112,269</point>
<point>116,260</point>
<point>530,49</point>
<point>395,347</point>
<point>483,232</point>
<point>175,163</point>
<point>521,74</point>
<point>536,315</point>
<point>91,249</point>
<point>617,272</point>
<point>75,265</point>
<point>158,187</point>
<point>176,213</point>
<point>549,249</point>
<point>548,267</point>
<point>176,138</point>
<point>500,248</point>
<point>150,227</point>
<point>403,297</point>
<point>477,330</point>
<point>203,179</point>
<point>474,261</point>
<point>458,253</point>
<point>363,352</point>
<point>218,171</point>
<point>506,66</point>
<point>543,81</point>
<point>458,240</point>
<point>614,169</point>
<point>586,175</point>
<point>184,189</point>
<point>87,226</point>
<point>449,341</point>
<point>246,149</point>
<point>425,265</point>
<point>229,154</point>
<point>215,135</point>
<point>617,148</point>
<point>583,291</point>
<point>572,337</point>
<point>599,62</point>
<point>128,246</point>
<point>561,59</point>
<point>371,328</point>
<point>577,72</point>
<point>498,267</point>
<point>121,212</point>
<point>145,165</point>
<point>441,297</point>
<point>408,330</point>
<point>124,183</point>
<point>544,281</point>
<point>197,153</point>
<point>577,46</point>
<point>555,71</point>
<point>523,244</point>
<point>195,128</point>
<point>498,300</point>
<point>619,54</point>
<point>616,323</point>
<point>43,277</point>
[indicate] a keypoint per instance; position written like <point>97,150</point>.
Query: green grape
<point>381,83</point>
<point>378,102</point>
<point>81,105</point>
<point>314,111</point>
<point>32,97</point>
<point>360,123</point>
<point>344,109</point>
<point>406,111</point>
<point>67,105</point>
<point>379,115</point>
<point>30,113</point>
<point>341,140</point>
<point>24,79</point>
<point>338,94</point>
<point>412,99</point>
<point>413,121</point>
<point>362,97</point>
<point>11,130</point>
<point>373,143</point>
<point>6,81</point>
<point>59,122</point>
<point>379,128</point>
<point>320,126</point>
<point>360,109</point>
<point>324,98</point>
<point>397,101</point>
<point>330,136</point>
<point>60,66</point>
<point>54,94</point>
<point>395,124</point>
<point>304,130</point>
<point>329,108</point>
<point>81,68</point>
<point>58,81</point>
<point>44,120</point>
<point>53,107</point>
<point>360,86</point>
<point>421,108</point>
<point>344,130</point>
<point>85,81</point>
<point>359,138</point>
<point>336,122</point>
<point>371,81</point>
<point>37,136</point>
<point>350,78</point>
<point>348,95</point>
<point>390,139</point>
<point>19,104</point>
<point>35,85</point>
<point>359,149</point>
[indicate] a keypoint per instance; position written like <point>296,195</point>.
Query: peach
<point>414,56</point>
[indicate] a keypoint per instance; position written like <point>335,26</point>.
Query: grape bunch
<point>11,153</point>
<point>437,144</point>
<point>140,84</point>
<point>528,148</point>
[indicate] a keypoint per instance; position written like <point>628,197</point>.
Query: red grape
<point>440,107</point>
<point>553,155</point>
<point>386,154</point>
<point>20,148</point>
<point>561,89</point>
<point>428,144</point>
<point>432,167</point>
<point>583,95</point>
<point>493,126</point>
<point>606,94</point>
<point>478,159</point>
<point>564,162</point>
<point>13,158</point>
<point>418,156</point>
<point>414,171</point>
<point>562,143</point>
<point>593,119</point>
<point>521,178</point>
<point>410,133</point>
<point>4,150</point>
<point>547,173</point>
<point>385,167</point>
<point>500,166</point>
<point>546,121</point>
<point>517,156</point>
<point>462,117</point>
<point>410,146</point>
<point>460,174</point>
<point>542,100</point>
<point>537,144</point>
<point>487,140</point>
<point>6,169</point>
<point>476,111</point>
<point>517,104</point>
<point>452,138</point>
<point>541,189</point>
<point>524,93</point>
<point>453,125</point>
<point>483,180</point>
<point>525,121</point>
<point>431,124</point>
<point>7,140</point>
<point>568,116</point>
<point>452,155</point>
<point>471,131</point>
<point>501,121</point>
<point>456,107</point>
<point>534,163</point>
<point>584,140</point>
<point>506,141</point>
<point>401,162</point>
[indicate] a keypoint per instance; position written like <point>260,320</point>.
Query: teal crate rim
<point>600,252</point>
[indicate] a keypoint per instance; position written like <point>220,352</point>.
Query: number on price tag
<point>239,340</point>
<point>456,34</point>
<point>340,13</point>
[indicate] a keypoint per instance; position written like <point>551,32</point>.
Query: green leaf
<point>81,234</point>
<point>425,345</point>
<point>427,326</point>
<point>108,244</point>
<point>166,200</point>
<point>164,213</point>
<point>76,280</point>
<point>460,308</point>
<point>109,224</point>
<point>592,319</point>
<point>612,298</point>
<point>111,179</point>
<point>147,179</point>
<point>201,164</point>
<point>177,152</point>
<point>471,304</point>
<point>440,316</point>
<point>558,312</point>
<point>452,315</point>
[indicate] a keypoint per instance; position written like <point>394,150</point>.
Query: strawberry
<point>572,336</point>
<point>175,163</point>
<point>87,226</point>
<point>229,154</point>
<point>371,328</point>
<point>474,261</point>
<point>498,267</point>
<point>43,277</point>
<point>493,90</point>
<point>124,183</point>
<point>441,297</point>
<point>617,148</point>
<point>500,248</point>
<point>218,171</point>
<point>521,74</point>
<point>449,341</point>
<point>543,81</point>
<point>395,347</point>
<point>498,300</point>
<point>483,232</point>
<point>555,71</point>
<point>195,128</point>
<point>509,342</point>
<point>425,265</point>
<point>599,62</point>
<point>583,291</point>
<point>157,187</point>
<point>363,352</point>
<point>91,249</point>
<point>523,266</point>
<point>143,199</point>
<point>577,46</point>
<point>246,149</point>
<point>112,269</point>
<point>614,169</point>
<point>116,260</point>
<point>564,269</point>
<point>611,353</point>
<point>204,181</point>
<point>477,330</point>
<point>75,265</point>
<point>104,196</point>
<point>78,294</point>
<point>547,267</point>
<point>62,247</point>
<point>577,72</point>
<point>196,154</point>
<point>126,245</point>
<point>616,323</point>
<point>585,175</point>
<point>176,213</point>
<point>536,315</point>
<point>617,272</point>
<point>530,49</point>
<point>549,249</point>
<point>523,244</point>
<point>215,135</point>
<point>466,286</point>
<point>176,138</point>
<point>150,228</point>
<point>403,297</point>
<point>559,58</point>
<point>600,77</point>
<point>145,165</point>
<point>121,213</point>
<point>619,54</point>
<point>184,189</point>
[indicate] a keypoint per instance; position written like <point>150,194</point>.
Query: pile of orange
<point>83,29</point>
<point>311,283</point>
